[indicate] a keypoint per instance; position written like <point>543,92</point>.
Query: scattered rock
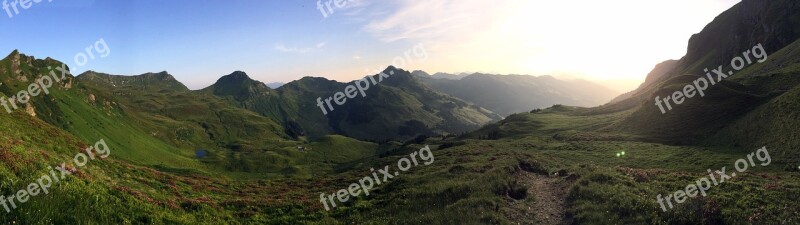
<point>68,85</point>
<point>30,110</point>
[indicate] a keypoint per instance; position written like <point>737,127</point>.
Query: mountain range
<point>509,149</point>
<point>509,94</point>
<point>404,107</point>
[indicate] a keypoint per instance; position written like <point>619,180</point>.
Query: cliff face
<point>775,24</point>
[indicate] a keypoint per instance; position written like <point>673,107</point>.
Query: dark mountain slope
<point>696,118</point>
<point>280,105</point>
<point>399,107</point>
<point>774,122</point>
<point>655,75</point>
<point>239,86</point>
<point>773,23</point>
<point>410,108</point>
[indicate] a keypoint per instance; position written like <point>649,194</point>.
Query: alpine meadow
<point>664,112</point>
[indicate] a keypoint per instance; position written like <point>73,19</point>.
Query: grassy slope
<point>467,184</point>
<point>112,191</point>
<point>239,142</point>
<point>773,122</point>
<point>127,189</point>
<point>68,106</point>
<point>622,190</point>
<point>470,183</point>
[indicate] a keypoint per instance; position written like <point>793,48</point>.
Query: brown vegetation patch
<point>10,159</point>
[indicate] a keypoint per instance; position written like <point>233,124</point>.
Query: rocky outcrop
<point>30,110</point>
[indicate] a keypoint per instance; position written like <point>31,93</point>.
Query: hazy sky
<point>199,41</point>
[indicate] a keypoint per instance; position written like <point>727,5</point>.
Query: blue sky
<point>280,41</point>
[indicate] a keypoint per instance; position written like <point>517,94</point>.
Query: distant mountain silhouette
<point>275,85</point>
<point>508,94</point>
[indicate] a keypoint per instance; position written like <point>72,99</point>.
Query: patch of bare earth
<point>545,202</point>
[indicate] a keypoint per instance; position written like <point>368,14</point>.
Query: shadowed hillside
<point>400,107</point>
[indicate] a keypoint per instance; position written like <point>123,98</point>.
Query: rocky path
<point>546,201</point>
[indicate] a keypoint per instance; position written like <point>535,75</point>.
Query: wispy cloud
<point>364,11</point>
<point>428,20</point>
<point>283,48</point>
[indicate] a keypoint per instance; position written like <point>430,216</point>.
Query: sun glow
<point>575,38</point>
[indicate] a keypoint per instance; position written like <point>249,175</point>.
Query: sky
<point>615,42</point>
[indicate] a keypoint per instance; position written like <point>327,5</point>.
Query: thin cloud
<point>432,20</point>
<point>283,48</point>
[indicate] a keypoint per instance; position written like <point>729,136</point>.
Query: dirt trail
<point>546,201</point>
